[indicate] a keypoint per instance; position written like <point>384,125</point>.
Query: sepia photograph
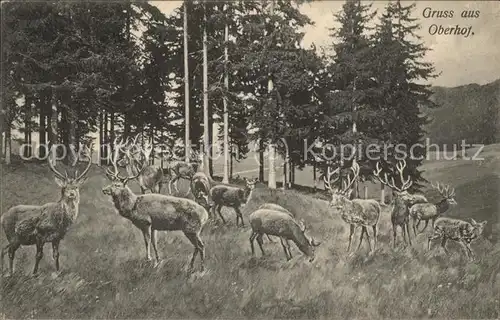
<point>250,159</point>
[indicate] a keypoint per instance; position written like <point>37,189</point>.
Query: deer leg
<point>252,238</point>
<point>240,215</point>
<point>374,227</point>
<point>406,225</point>
<point>143,190</point>
<point>351,232</point>
<point>4,251</point>
<point>468,250</point>
<point>160,184</point>
<point>146,232</point>
<point>192,237</point>
<point>260,242</point>
<point>361,237</point>
<point>367,238</point>
<point>433,222</point>
<point>289,248</point>
<point>394,234</point>
<point>39,254</point>
<point>12,252</point>
<point>269,238</point>
<point>431,238</point>
<point>443,245</point>
<point>55,253</point>
<point>416,222</point>
<point>425,226</point>
<point>154,244</point>
<point>285,248</point>
<point>220,214</point>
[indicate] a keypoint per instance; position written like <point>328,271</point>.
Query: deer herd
<point>152,211</point>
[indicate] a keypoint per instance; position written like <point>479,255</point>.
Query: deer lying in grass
<point>431,211</point>
<point>36,225</point>
<point>152,177</point>
<point>283,225</point>
<point>403,199</point>
<point>457,230</point>
<point>357,212</point>
<point>228,196</point>
<point>156,212</point>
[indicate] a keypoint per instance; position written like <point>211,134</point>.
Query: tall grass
<point>104,274</point>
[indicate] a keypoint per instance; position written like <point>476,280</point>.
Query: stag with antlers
<point>431,211</point>
<point>403,199</point>
<point>156,212</point>
<point>152,177</point>
<point>36,225</point>
<point>357,212</point>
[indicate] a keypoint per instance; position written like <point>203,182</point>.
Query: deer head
<point>70,185</point>
<point>340,195</point>
<point>405,184</point>
<point>250,183</point>
<point>445,192</point>
<point>119,182</point>
<point>309,248</point>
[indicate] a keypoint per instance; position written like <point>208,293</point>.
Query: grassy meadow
<point>104,273</point>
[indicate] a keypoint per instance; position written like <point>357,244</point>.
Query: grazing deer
<point>228,196</point>
<point>431,211</point>
<point>284,242</point>
<point>153,176</point>
<point>283,225</point>
<point>156,212</point>
<point>356,212</point>
<point>457,230</point>
<point>403,199</point>
<point>36,225</point>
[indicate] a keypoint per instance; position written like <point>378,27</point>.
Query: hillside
<point>469,112</point>
<point>104,276</point>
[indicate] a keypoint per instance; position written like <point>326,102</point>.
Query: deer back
<point>170,213</point>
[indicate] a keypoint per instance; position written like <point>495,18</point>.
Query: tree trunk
<point>8,143</point>
<point>53,133</point>
<point>271,183</point>
<point>72,145</point>
<point>112,130</point>
<point>230,165</point>
<point>225,177</point>
<point>106,140</point>
<point>261,160</point>
<point>314,176</point>
<point>42,133</point>
<point>27,129</point>
<point>206,131</point>
<point>186,85</point>
<point>382,193</point>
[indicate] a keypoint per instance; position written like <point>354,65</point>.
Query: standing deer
<point>228,196</point>
<point>280,224</point>
<point>184,170</point>
<point>156,212</point>
<point>153,176</point>
<point>36,225</point>
<point>200,187</point>
<point>284,242</point>
<point>431,211</point>
<point>457,230</point>
<point>356,212</point>
<point>403,200</point>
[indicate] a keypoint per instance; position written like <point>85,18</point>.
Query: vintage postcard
<point>271,159</point>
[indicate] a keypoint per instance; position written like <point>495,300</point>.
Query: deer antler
<point>329,174</point>
<point>444,190</point>
<point>400,166</point>
<point>54,170</point>
<point>346,185</point>
<point>88,152</point>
